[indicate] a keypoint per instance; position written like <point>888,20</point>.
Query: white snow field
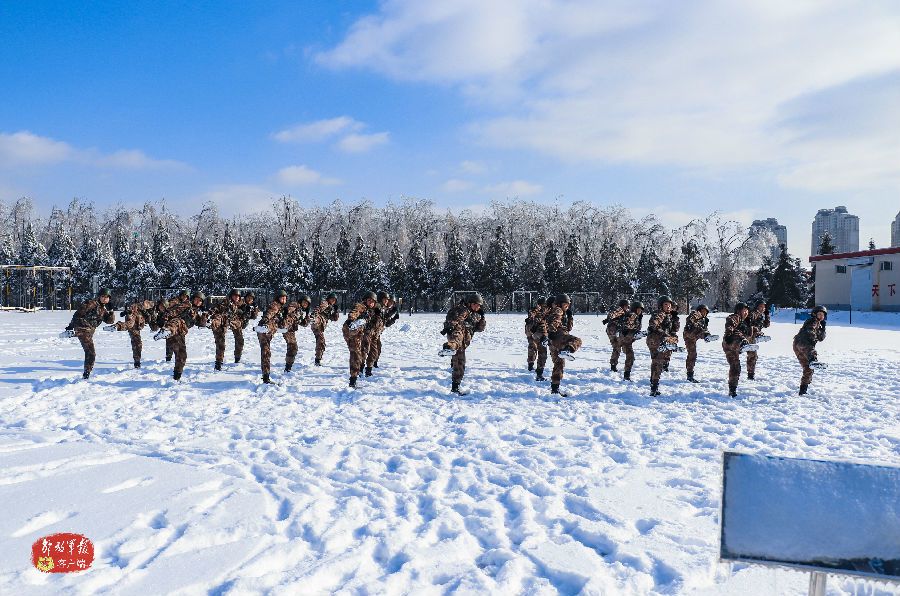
<point>218,484</point>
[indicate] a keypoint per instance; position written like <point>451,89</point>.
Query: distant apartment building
<point>862,280</point>
<point>843,227</point>
<point>895,231</point>
<point>771,224</point>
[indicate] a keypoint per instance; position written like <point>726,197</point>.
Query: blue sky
<point>761,109</point>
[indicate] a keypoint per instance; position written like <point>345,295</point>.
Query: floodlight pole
<point>816,584</point>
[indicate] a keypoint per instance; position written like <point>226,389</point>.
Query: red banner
<point>62,553</point>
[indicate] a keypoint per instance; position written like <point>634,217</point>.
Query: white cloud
<point>454,185</point>
<point>236,199</point>
<point>472,167</point>
<point>303,176</point>
<point>318,130</point>
<point>359,143</point>
<point>25,148</point>
<point>700,85</point>
<point>517,188</point>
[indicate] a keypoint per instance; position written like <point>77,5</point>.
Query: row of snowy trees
<point>411,248</point>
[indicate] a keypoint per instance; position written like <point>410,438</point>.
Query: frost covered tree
<point>416,273</point>
<point>62,251</point>
<point>826,244</point>
<point>143,275</point>
<point>124,258</point>
<point>164,256</point>
<point>500,266</point>
<point>31,252</point>
<point>456,274</point>
<point>575,270</point>
<point>614,275</point>
<point>554,271</point>
<point>241,265</point>
<point>336,277</point>
<point>294,273</point>
<point>477,269</point>
<point>396,269</point>
<point>789,282</point>
<point>531,273</point>
<point>265,268</point>
<point>376,273</point>
<point>356,269</point>
<point>688,281</point>
<point>318,267</point>
<point>7,252</point>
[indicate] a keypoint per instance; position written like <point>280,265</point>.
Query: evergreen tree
<point>687,280</point>
<point>826,244</point>
<point>416,272</point>
<point>294,274</point>
<point>575,272</point>
<point>531,274</point>
<point>265,269</point>
<point>31,252</point>
<point>500,266</point>
<point>434,274</point>
<point>649,277</point>
<point>764,277</point>
<point>164,257</point>
<point>376,274</point>
<point>614,275</point>
<point>554,271</point>
<point>343,249</point>
<point>62,250</point>
<point>788,288</point>
<point>478,270</point>
<point>336,277</point>
<point>106,267</point>
<point>318,267</point>
<point>457,275</point>
<point>241,265</point>
<point>143,275</point>
<point>7,252</point>
<point>396,269</point>
<point>356,269</point>
<point>125,261</point>
<point>871,244</point>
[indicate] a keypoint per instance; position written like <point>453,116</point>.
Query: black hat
<point>637,304</point>
<point>330,296</point>
<point>563,299</point>
<point>305,297</point>
<point>369,295</point>
<point>234,292</point>
<point>739,307</point>
<point>199,295</point>
<point>702,307</point>
<point>280,293</point>
<point>103,292</point>
<point>662,300</point>
<point>476,298</point>
<point>623,303</point>
<point>542,300</point>
<point>383,296</point>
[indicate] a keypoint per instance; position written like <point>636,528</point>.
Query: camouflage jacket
<point>144,308</point>
<point>276,313</point>
<point>390,315</point>
<point>156,319</point>
<point>617,317</point>
<point>812,331</point>
<point>322,314</point>
<point>630,325</point>
<point>758,321</point>
<point>736,329</point>
<point>534,315</point>
<point>461,316</point>
<point>248,312</point>
<point>557,321</point>
<point>187,312</point>
<point>359,311</point>
<point>662,327</point>
<point>91,313</point>
<point>226,311</point>
<point>696,325</point>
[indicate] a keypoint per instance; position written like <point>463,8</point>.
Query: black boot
<point>137,364</point>
<point>613,367</point>
<point>732,390</point>
<point>353,382</point>
<point>375,364</point>
<point>627,375</point>
<point>751,376</point>
<point>85,375</point>
<point>654,389</point>
<point>531,366</point>
<point>237,360</point>
<point>287,367</point>
<point>168,359</point>
<point>540,375</point>
<point>690,377</point>
<point>554,388</point>
<point>266,379</point>
<point>368,371</point>
<point>318,362</point>
<point>176,376</point>
<point>803,389</point>
<point>218,366</point>
<point>665,368</point>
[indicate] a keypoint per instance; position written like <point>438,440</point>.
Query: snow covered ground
<point>218,484</point>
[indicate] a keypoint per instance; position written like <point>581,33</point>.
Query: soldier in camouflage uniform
<point>675,325</point>
<point>758,320</point>
<point>613,324</point>
<point>629,328</point>
<point>85,321</point>
<point>372,337</point>
<point>696,327</point>
<point>248,312</point>
<point>326,311</point>
<point>538,334</point>
<point>390,315</point>
<point>183,296</point>
<point>812,331</point>
<point>136,316</point>
<point>178,319</point>
<point>462,322</point>
<point>661,330</point>
<point>225,315</point>
<point>284,318</point>
<point>535,313</point>
<point>737,335</point>
<point>354,331</point>
<point>557,327</point>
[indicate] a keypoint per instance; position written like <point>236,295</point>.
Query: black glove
<point>605,321</point>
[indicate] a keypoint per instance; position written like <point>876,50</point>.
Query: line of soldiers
<point>548,327</point>
<point>743,334</point>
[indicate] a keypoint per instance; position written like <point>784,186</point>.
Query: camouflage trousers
<point>657,359</point>
<point>459,340</point>
<point>354,341</point>
<point>541,352</point>
<point>219,334</point>
<point>690,343</point>
<point>265,350</point>
<point>626,345</point>
<point>372,347</point>
<point>805,354</point>
<point>567,342</point>
<point>751,362</point>
<point>533,345</point>
<point>170,348</point>
<point>615,342</point>
<point>86,336</point>
<point>133,324</point>
<point>179,330</point>
<point>319,334</point>
<point>733,356</point>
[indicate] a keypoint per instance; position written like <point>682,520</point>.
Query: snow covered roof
<point>861,253</point>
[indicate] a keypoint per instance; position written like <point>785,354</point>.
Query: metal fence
<point>37,287</point>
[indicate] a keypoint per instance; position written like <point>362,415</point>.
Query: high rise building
<point>771,224</point>
<point>843,227</point>
<point>895,231</point>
